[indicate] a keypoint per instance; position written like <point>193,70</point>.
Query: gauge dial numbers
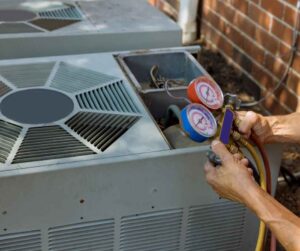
<point>198,122</point>
<point>205,91</point>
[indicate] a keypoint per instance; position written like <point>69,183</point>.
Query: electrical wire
<point>289,64</point>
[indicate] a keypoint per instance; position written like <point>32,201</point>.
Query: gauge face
<point>209,93</point>
<point>202,120</point>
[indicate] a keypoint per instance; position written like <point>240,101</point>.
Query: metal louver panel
<point>112,97</point>
<point>152,231</point>
<point>99,129</point>
<point>49,142</point>
<point>205,231</point>
<point>71,78</point>
<point>11,28</point>
<point>71,13</point>
<point>28,241</point>
<point>4,89</point>
<point>27,75</point>
<point>97,235</point>
<point>9,133</point>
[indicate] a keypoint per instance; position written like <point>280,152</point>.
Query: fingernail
<point>215,142</point>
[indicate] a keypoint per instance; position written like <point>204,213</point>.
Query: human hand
<point>233,180</point>
<point>260,125</point>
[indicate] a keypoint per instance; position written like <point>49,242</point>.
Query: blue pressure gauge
<point>198,122</point>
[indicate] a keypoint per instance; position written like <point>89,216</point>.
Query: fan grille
<point>27,75</point>
<point>71,78</point>
<point>61,111</point>
<point>4,89</point>
<point>71,13</point>
<point>18,20</point>
<point>113,97</point>
<point>101,130</point>
<point>49,142</point>
<point>8,136</point>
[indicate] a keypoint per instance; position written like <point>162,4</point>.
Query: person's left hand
<point>233,180</point>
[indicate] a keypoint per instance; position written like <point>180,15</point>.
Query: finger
<point>248,122</point>
<point>220,149</point>
<point>209,168</point>
<point>245,161</point>
<point>250,171</point>
<point>237,156</point>
<point>210,172</point>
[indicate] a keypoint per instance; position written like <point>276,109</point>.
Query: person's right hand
<point>256,122</point>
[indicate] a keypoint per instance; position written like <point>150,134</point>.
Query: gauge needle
<point>200,120</point>
<point>207,94</point>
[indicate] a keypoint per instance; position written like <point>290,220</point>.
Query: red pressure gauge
<point>205,91</point>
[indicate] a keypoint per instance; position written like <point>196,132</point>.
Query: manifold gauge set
<point>197,119</point>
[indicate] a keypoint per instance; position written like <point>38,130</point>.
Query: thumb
<point>220,149</point>
<point>248,122</point>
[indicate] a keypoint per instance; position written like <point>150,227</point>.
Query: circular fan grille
<point>58,110</point>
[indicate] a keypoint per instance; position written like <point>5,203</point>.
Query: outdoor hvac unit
<point>84,166</point>
<point>30,28</point>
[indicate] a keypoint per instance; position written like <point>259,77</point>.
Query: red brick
<point>293,2</point>
<point>274,7</point>
<point>275,65</point>
<point>287,98</point>
<point>259,16</point>
<point>241,5</point>
<point>296,62</point>
<point>225,11</point>
<point>282,31</point>
<point>266,40</point>
<point>274,107</point>
<point>293,82</point>
<point>254,51</point>
<point>290,16</point>
<point>261,76</point>
<point>284,52</point>
<point>244,23</point>
<point>211,3</point>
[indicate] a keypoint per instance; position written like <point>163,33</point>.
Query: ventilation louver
<point>80,112</point>
<point>151,231</point>
<point>97,235</point>
<point>27,241</point>
<point>31,17</point>
<point>204,231</point>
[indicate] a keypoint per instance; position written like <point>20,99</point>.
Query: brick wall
<point>256,36</point>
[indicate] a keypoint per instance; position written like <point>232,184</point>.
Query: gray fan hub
<point>36,106</point>
<point>13,15</point>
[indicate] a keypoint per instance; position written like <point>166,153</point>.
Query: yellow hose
<point>262,226</point>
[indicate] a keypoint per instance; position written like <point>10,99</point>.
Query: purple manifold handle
<point>226,126</point>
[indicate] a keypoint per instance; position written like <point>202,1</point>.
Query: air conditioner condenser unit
<point>30,28</point>
<point>85,166</point>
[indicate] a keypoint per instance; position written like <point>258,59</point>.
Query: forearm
<point>284,128</point>
<point>283,223</point>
